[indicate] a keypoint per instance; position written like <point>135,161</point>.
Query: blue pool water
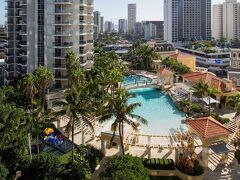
<point>128,80</point>
<point>159,109</point>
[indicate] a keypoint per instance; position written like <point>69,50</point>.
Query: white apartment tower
<point>42,32</point>
<point>132,18</point>
<point>226,20</point>
<point>187,20</point>
<point>122,26</point>
<point>231,19</point>
<point>217,21</point>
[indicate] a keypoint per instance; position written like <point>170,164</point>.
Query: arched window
<point>234,55</point>
<point>169,48</point>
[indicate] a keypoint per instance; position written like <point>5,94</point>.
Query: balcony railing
<point>63,11</point>
<point>64,22</point>
<point>64,44</point>
<point>63,33</point>
<point>63,1</point>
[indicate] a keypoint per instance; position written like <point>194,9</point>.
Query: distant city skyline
<point>113,10</point>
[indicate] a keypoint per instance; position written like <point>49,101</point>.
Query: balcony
<point>81,31</point>
<point>83,22</point>
<point>63,45</point>
<point>85,52</point>
<point>60,76</point>
<point>63,22</point>
<point>59,66</point>
<point>63,33</point>
<point>23,32</point>
<point>63,2</point>
<point>86,2</point>
<point>22,13</point>
<point>59,55</point>
<point>23,3</point>
<point>22,60</point>
<point>63,12</point>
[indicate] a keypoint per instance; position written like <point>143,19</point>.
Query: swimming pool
<point>159,109</point>
<point>128,80</point>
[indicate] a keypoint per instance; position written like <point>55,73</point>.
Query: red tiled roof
<point>208,127</point>
<point>207,78</point>
<point>164,71</point>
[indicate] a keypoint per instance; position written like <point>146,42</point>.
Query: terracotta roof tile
<point>208,127</point>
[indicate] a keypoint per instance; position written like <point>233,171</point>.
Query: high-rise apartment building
<point>139,29</point>
<point>159,28</point>
<point>226,20</point>
<point>150,31</point>
<point>186,20</point>
<point>132,18</point>
<point>101,24</point>
<point>122,26</point>
<point>42,32</point>
<point>217,21</point>
<point>109,27</point>
<point>96,20</point>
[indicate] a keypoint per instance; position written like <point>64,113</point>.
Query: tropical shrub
<point>159,164</point>
<point>220,119</point>
<point>80,169</point>
<point>124,168</point>
<point>196,108</point>
<point>91,154</point>
<point>237,155</point>
<point>47,167</point>
<point>3,172</point>
<point>179,68</point>
<point>189,165</point>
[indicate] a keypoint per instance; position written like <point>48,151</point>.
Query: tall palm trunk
<point>82,130</point>
<point>73,122</point>
<point>38,148</point>
<point>121,138</point>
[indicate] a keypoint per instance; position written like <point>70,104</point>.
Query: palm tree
<point>234,101</point>
<point>200,87</point>
<point>211,92</point>
<point>119,108</point>
<point>43,76</point>
<point>30,89</point>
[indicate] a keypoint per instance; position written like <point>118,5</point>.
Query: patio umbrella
<point>212,101</point>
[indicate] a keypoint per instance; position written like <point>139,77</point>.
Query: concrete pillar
<point>120,149</point>
<point>58,123</point>
<point>103,147</point>
<point>190,96</point>
<point>149,152</point>
<point>177,78</point>
<point>218,98</point>
<point>205,153</point>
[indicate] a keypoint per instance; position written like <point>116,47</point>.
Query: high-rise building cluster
<point>226,20</point>
<point>42,32</point>
<point>98,24</point>
<point>186,20</point>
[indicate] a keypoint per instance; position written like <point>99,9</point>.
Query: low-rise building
<point>234,70</point>
<point>186,59</point>
<point>217,61</point>
<point>119,49</point>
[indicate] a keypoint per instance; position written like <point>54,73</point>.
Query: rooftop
<point>208,127</point>
<point>180,55</point>
<point>208,78</point>
<point>165,72</point>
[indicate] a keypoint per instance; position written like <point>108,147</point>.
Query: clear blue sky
<point>115,9</point>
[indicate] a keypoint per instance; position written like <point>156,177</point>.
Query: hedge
<point>159,164</point>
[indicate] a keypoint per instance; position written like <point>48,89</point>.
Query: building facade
<point>150,31</point>
<point>42,32</point>
<point>109,27</point>
<point>217,21</point>
<point>97,22</point>
<point>139,29</point>
<point>226,20</point>
<point>132,17</point>
<point>122,26</point>
<point>186,20</point>
<point>217,62</point>
<point>234,70</point>
<point>101,24</point>
<point>159,28</point>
